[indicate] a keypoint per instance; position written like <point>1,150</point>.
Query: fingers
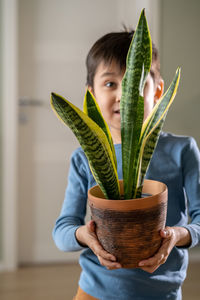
<point>100,252</point>
<point>151,264</point>
<point>106,259</point>
<point>169,241</point>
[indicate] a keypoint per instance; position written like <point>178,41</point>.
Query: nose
<point>119,93</point>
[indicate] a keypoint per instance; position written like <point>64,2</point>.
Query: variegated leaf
<point>94,143</point>
<point>92,109</point>
<point>132,102</point>
<point>152,127</point>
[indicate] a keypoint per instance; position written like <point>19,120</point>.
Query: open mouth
<point>117,111</point>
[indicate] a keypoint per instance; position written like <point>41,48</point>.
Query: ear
<point>159,90</point>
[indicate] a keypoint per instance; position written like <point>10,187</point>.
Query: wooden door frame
<point>9,134</point>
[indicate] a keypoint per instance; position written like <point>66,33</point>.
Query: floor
<point>59,282</point>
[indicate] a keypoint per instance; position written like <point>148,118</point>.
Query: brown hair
<point>115,46</point>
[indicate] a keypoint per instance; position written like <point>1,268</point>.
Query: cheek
<point>148,101</point>
<point>104,107</point>
<point>104,103</point>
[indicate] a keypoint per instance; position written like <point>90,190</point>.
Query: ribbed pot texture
<point>129,229</point>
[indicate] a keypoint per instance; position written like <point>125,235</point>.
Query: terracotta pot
<point>129,229</point>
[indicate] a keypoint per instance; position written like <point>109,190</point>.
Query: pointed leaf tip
<point>53,96</point>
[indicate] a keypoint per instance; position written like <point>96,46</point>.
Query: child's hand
<point>172,236</point>
<point>86,235</point>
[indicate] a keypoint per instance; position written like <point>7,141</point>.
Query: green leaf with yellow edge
<point>151,129</point>
<point>94,142</point>
<point>132,101</point>
<point>92,109</point>
<point>138,140</point>
<point>161,106</point>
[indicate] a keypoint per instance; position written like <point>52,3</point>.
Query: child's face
<point>107,90</point>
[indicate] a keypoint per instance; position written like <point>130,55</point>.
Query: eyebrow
<point>108,74</point>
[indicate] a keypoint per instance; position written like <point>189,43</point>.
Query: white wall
<point>44,38</point>
<point>180,46</point>
<point>56,34</point>
<point>64,42</point>
<point>54,38</point>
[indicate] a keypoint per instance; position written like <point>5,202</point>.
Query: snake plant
<point>139,138</point>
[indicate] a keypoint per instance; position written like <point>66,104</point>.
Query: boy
<point>175,162</point>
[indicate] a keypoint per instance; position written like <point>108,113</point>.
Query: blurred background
<point>43,45</point>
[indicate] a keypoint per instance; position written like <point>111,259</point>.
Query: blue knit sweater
<point>176,162</point>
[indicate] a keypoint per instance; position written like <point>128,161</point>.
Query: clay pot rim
<point>124,205</point>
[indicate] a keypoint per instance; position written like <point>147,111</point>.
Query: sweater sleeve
<point>74,206</point>
<point>191,178</point>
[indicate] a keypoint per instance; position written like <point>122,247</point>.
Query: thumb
<point>165,233</point>
<point>91,226</point>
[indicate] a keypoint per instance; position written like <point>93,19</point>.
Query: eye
<point>109,84</point>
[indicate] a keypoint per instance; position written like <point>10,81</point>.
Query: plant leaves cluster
<point>139,138</point>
